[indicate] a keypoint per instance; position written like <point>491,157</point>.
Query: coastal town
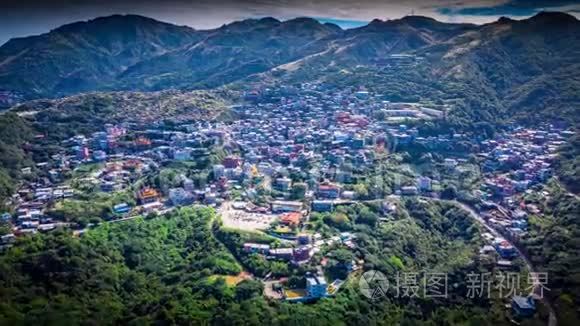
<point>286,157</point>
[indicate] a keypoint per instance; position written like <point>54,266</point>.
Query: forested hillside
<point>553,245</point>
<point>163,271</point>
<point>85,56</point>
<point>15,132</point>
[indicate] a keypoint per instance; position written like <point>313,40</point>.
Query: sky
<point>30,17</point>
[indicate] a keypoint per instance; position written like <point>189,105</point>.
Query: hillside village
<point>290,155</point>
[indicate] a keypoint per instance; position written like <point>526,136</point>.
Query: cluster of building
<point>325,140</point>
<point>304,247</point>
<point>30,203</point>
<point>302,252</point>
<point>513,163</point>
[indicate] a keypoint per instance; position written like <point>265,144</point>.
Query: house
<point>505,264</point>
<point>239,205</point>
<point>523,306</point>
<point>183,154</point>
<point>188,185</point>
<point>362,95</point>
<point>304,238</point>
<point>46,227</point>
<point>29,224</point>
<point>178,196</point>
<point>99,156</point>
<point>389,207</point>
<point>6,217</point>
<point>322,205</point>
<point>148,195</point>
<point>283,184</point>
<point>121,208</point>
<point>301,254</point>
<point>349,195</point>
<point>152,207</point>
<point>505,249</point>
<point>107,186</point>
<point>487,249</point>
<point>7,238</point>
<point>210,198</point>
<point>424,183</point>
<point>282,253</point>
<point>328,191</point>
<point>232,162</point>
<point>256,248</point>
<point>450,163</point>
<point>291,219</point>
<point>316,287</point>
<point>343,176</point>
<point>409,190</point>
<point>280,206</point>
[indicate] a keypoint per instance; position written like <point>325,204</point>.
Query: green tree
<point>298,191</point>
<point>247,289</point>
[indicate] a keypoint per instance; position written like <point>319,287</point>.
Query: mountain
<point>531,63</point>
<point>85,55</point>
<point>231,52</point>
<point>380,38</point>
<point>505,68</point>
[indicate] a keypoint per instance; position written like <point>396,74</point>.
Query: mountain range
<point>507,65</point>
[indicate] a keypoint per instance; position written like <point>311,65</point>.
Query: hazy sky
<point>28,17</point>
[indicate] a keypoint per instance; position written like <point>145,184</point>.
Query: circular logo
<point>373,284</point>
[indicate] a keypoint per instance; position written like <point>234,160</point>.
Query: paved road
<point>552,321</point>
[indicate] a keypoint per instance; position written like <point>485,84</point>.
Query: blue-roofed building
<point>523,306</point>
<point>121,208</point>
<point>322,205</point>
<point>6,217</point>
<point>316,287</point>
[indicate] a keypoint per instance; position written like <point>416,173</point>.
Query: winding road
<point>552,320</point>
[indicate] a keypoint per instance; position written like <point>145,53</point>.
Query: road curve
<point>552,320</point>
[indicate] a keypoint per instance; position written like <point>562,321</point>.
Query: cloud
<point>513,8</point>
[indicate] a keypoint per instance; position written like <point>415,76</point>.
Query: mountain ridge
<point>505,61</point>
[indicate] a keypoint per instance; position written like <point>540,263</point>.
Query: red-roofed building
<point>148,195</point>
<point>329,191</point>
<point>291,219</point>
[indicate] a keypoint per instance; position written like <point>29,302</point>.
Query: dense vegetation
<point>553,245</point>
<point>86,113</point>
<point>568,164</point>
<point>162,270</point>
<point>14,134</point>
<point>140,271</point>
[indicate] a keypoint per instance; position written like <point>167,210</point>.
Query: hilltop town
<point>286,169</point>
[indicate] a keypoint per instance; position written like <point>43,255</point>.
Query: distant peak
<point>333,26</point>
<point>112,19</point>
<point>269,20</point>
<point>310,24</point>
<point>505,20</point>
<point>252,22</point>
<point>412,18</point>
<point>554,17</point>
<point>303,20</point>
<point>414,21</point>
